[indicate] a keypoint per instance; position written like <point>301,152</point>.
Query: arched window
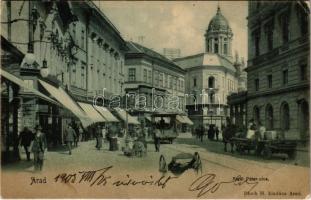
<point>269,117</point>
<point>303,119</point>
<point>225,49</point>
<point>285,121</point>
<point>211,82</point>
<point>216,45</point>
<point>256,114</point>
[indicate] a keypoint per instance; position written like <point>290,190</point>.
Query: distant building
<point>212,75</point>
<point>279,66</point>
<point>171,53</point>
<point>150,74</point>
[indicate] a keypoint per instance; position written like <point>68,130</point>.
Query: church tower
<point>218,36</point>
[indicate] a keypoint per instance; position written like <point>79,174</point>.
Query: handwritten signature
<point>101,177</point>
<point>206,183</point>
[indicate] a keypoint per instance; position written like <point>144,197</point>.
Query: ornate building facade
<point>76,46</point>
<point>213,75</point>
<point>155,77</point>
<point>279,67</point>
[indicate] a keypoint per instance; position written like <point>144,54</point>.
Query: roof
<point>219,22</point>
<point>205,59</point>
<point>135,48</point>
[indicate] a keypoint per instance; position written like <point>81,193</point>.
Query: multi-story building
<point>213,75</point>
<point>279,66</point>
<point>79,49</point>
<point>155,77</point>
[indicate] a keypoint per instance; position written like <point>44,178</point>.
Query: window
<point>83,75</point>
<point>257,43</point>
<point>171,82</point>
<point>175,83</point>
<point>256,84</point>
<point>211,82</point>
<point>165,80</point>
<point>285,119</point>
<point>145,75</point>
<point>269,81</point>
<point>303,72</point>
<point>225,49</point>
<point>149,76</point>
<point>156,78</point>
<point>132,74</point>
<point>285,77</point>
<point>304,23</point>
<point>194,82</point>
<point>82,39</point>
<point>285,27</point>
<point>269,34</point>
<point>161,79</point>
<point>216,46</point>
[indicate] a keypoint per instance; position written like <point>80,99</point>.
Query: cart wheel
<point>292,154</point>
<point>162,164</point>
<point>197,165</point>
<point>239,149</point>
<point>267,153</point>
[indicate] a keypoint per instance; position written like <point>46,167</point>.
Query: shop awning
<point>183,119</point>
<point>21,83</point>
<point>187,120</point>
<point>122,114</point>
<point>180,119</point>
<point>106,114</point>
<point>62,97</point>
<point>91,112</point>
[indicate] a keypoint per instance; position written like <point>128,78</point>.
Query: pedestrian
<point>81,133</point>
<point>39,146</point>
<point>201,133</point>
<point>70,136</point>
<point>217,133</point>
<point>99,137</point>
<point>25,138</point>
<point>156,139</point>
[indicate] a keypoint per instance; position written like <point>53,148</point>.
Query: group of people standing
<point>211,131</point>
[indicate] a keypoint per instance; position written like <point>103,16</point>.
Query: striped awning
<point>106,114</point>
<point>124,115</point>
<point>91,112</point>
<point>21,83</point>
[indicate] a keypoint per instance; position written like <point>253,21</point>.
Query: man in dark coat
<point>99,137</point>
<point>25,138</point>
<point>69,137</point>
<point>38,148</point>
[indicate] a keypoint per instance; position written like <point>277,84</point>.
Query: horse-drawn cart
<point>279,146</point>
<point>265,147</point>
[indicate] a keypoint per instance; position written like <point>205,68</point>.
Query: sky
<point>176,24</point>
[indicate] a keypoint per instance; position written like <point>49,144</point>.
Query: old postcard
<point>155,99</point>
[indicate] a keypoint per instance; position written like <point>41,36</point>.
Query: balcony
<point>212,90</point>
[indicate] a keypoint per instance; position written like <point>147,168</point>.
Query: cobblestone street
<point>214,160</point>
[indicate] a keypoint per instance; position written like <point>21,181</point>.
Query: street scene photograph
<point>155,99</point>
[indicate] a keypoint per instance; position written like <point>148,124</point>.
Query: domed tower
<point>218,36</point>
